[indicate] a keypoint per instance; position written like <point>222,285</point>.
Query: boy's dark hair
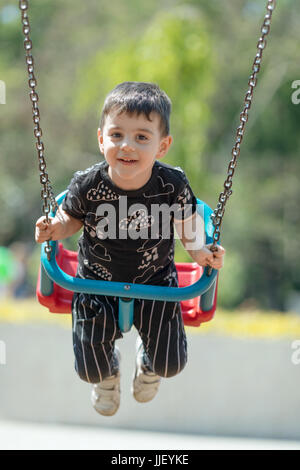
<point>140,98</point>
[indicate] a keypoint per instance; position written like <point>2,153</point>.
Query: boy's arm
<point>62,226</point>
<point>192,235</point>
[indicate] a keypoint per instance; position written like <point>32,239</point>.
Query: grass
<point>246,323</point>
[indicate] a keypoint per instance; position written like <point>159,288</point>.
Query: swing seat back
<point>194,311</point>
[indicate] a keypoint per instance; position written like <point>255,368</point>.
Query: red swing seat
<point>188,273</point>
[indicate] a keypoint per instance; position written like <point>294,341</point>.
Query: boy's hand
<point>61,226</point>
<point>43,231</point>
<point>205,257</point>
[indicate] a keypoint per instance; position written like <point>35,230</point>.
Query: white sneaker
<point>105,395</point>
<point>145,381</point>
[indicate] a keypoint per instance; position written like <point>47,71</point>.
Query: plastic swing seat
<point>197,291</point>
<point>59,301</point>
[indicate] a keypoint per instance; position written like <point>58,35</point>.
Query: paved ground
<point>16,435</point>
<point>230,386</point>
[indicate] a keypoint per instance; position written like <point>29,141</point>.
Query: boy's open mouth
<point>126,161</point>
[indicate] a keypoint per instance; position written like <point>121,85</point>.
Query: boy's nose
<point>126,145</point>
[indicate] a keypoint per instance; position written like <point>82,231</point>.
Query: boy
<point>134,245</point>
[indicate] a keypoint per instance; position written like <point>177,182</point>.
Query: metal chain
<point>218,213</point>
<point>47,195</point>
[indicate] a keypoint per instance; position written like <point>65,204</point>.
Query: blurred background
<point>244,365</point>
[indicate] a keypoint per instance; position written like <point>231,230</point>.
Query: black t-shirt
<point>128,236</point>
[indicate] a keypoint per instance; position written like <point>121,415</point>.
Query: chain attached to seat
<point>217,216</point>
<point>47,195</point>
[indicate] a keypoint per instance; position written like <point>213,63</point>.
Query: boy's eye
<point>116,135</point>
<point>142,137</point>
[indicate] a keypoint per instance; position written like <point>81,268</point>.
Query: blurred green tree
<point>174,51</point>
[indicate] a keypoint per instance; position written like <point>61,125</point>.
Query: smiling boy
<point>133,136</point>
<point>131,146</point>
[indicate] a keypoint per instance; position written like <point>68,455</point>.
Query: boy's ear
<point>100,140</point>
<point>164,146</point>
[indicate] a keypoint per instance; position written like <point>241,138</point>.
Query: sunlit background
<point>244,368</point>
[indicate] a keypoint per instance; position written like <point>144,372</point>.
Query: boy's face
<point>131,144</point>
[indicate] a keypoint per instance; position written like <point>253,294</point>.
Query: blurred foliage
<point>183,67</point>
<point>201,54</point>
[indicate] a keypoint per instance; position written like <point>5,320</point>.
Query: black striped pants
<point>95,330</point>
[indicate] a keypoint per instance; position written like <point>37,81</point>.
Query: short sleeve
<point>186,201</point>
<point>74,203</point>
<point>186,204</point>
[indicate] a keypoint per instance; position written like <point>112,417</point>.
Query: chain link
<point>217,216</point>
<point>47,195</point>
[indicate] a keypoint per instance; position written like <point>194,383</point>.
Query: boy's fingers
<point>216,260</point>
<point>209,260</point>
<point>219,252</point>
<point>43,230</point>
<point>42,223</point>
